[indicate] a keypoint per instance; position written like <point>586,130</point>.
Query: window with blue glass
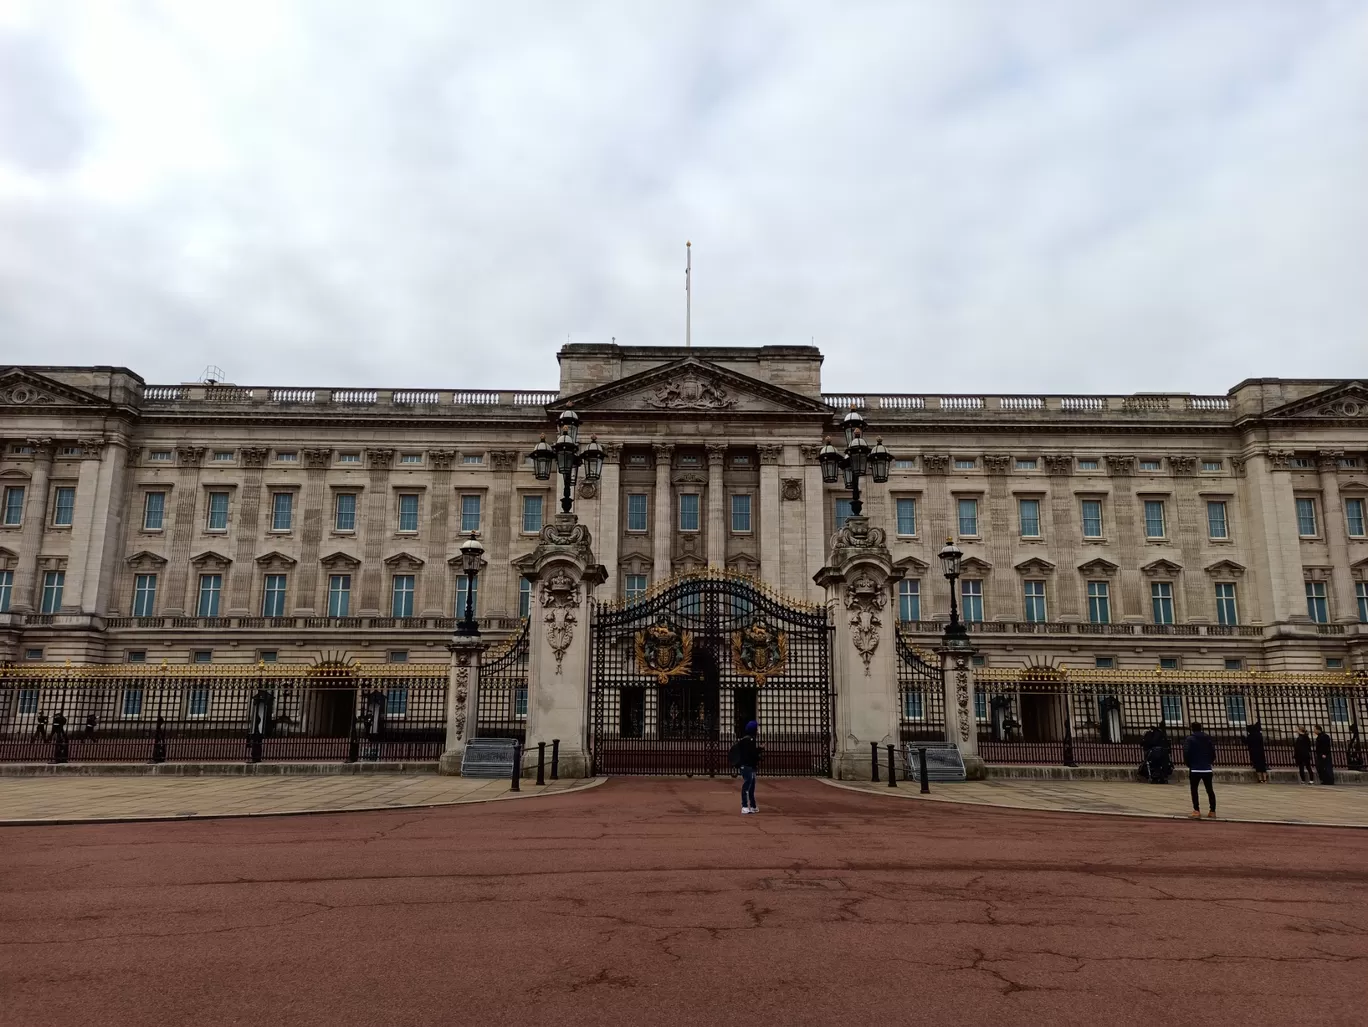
<point>1161,602</point>
<point>210,589</point>
<point>53,583</point>
<point>1235,709</point>
<point>1099,602</point>
<point>971,600</point>
<point>980,705</point>
<point>273,596</point>
<point>1035,601</point>
<point>144,595</point>
<point>907,516</point>
<point>1226,612</point>
<point>217,518</point>
<point>401,595</point>
<point>1172,707</point>
<point>132,702</point>
<point>1337,708</point>
<point>1216,520</point>
<point>470,513</point>
<point>1154,518</point>
<point>1317,604</point>
<point>740,514</point>
<point>408,511</point>
<point>524,598</point>
<point>1360,592</point>
<point>197,702</point>
<point>520,701</point>
<point>968,516</point>
<point>1354,517</point>
<point>63,506</point>
<point>1029,513</point>
<point>844,512</point>
<point>634,586</point>
<point>914,706</point>
<point>909,600</point>
<point>688,511</point>
<point>1306,518</point>
<point>344,511</point>
<point>282,511</point>
<point>339,595</point>
<point>396,701</point>
<point>462,590</point>
<point>1092,518</point>
<point>14,504</point>
<point>6,590</point>
<point>636,511</point>
<point>532,514</point>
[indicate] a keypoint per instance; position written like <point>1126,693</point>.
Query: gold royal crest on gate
<point>759,652</point>
<point>663,652</point>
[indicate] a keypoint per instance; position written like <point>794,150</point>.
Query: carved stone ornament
<point>588,490</point>
<point>690,392</point>
<point>1120,465</point>
<point>1183,465</point>
<point>1329,460</point>
<point>379,457</point>
<point>24,394</point>
<point>612,452</point>
<point>559,598</point>
<point>771,454</point>
<point>1058,464</point>
<point>791,489</point>
<point>1280,459</point>
<point>663,451</point>
<point>317,457</point>
<point>560,591</point>
<point>91,449</point>
<point>1349,407</point>
<point>1237,466</point>
<point>663,652</point>
<point>462,693</point>
<point>997,463</point>
<point>809,453</point>
<point>864,599</point>
<point>189,456</point>
<point>253,456</point>
<point>936,463</point>
<point>717,453</point>
<point>856,533</point>
<point>441,459</point>
<point>962,695</point>
<point>503,460</point>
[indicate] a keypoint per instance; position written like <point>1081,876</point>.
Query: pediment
<point>340,561</point>
<point>21,388</point>
<point>744,563</point>
<point>146,558</point>
<point>910,566</point>
<point>8,558</point>
<point>1035,565</point>
<point>1099,566</point>
<point>1162,569</point>
<point>973,565</point>
<point>210,560</point>
<point>405,561</point>
<point>1225,569</point>
<point>1347,400</point>
<point>275,559</point>
<point>691,386</point>
<point>14,474</point>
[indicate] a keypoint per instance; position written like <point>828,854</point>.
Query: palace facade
<point>223,524</point>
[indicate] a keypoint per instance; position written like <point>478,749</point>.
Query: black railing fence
<point>1069,717</point>
<point>272,712</point>
<point>501,694</point>
<point>921,694</point>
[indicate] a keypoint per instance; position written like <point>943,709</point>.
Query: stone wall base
<point>1013,772</point>
<point>214,769</point>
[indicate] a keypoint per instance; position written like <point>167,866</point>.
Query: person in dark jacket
<point>745,756</point>
<point>1158,763</point>
<point>1199,753</point>
<point>1325,765</point>
<point>1257,758</point>
<point>1301,752</point>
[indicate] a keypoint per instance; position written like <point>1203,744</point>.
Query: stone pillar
<point>610,509</point>
<point>373,532</point>
<point>24,596</point>
<point>463,685</point>
<point>563,575</point>
<point>314,513</point>
<point>182,596</point>
<point>814,506</point>
<point>500,588</point>
<point>768,527</point>
<point>248,529</point>
<point>717,534</point>
<point>662,532</point>
<point>859,579</point>
<point>1272,511</point>
<point>1344,603</point>
<point>960,726</point>
<point>87,531</point>
<point>1064,531</point>
<point>1132,604</point>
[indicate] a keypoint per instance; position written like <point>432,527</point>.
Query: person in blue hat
<point>745,757</point>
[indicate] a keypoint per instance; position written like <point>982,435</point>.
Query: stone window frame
<point>1348,491</point>
<point>918,508</point>
<point>410,490</point>
<point>53,485</point>
<point>1228,498</point>
<point>206,488</point>
<point>688,490</point>
<point>461,529</point>
<point>141,490</point>
<point>626,512</point>
<point>1040,497</point>
<point>977,495</point>
<point>753,495</point>
<point>356,490</point>
<point>1102,496</point>
<point>272,490</point>
<point>1165,499</point>
<point>547,512</point>
<point>1317,501</point>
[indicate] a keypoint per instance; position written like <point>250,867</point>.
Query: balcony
<point>936,627</point>
<point>420,401</point>
<point>296,624</point>
<point>1208,408</point>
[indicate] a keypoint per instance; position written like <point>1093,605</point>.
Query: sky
<point>969,196</point>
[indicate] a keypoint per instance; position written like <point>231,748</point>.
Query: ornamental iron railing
<point>501,694</point>
<point>921,694</point>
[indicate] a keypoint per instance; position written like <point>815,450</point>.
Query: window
<point>348,458</point>
<point>28,702</point>
<point>71,451</point>
<point>524,598</point>
<point>273,596</point>
<point>1337,707</point>
<point>909,600</point>
<point>222,456</point>
<point>218,512</point>
<point>1099,602</point>
<point>1317,606</point>
<point>344,511</point>
<point>6,590</point>
<point>14,504</point>
<point>159,456</point>
<point>53,581</point>
<point>1027,464</point>
<point>1216,520</point>
<point>1303,463</point>
<point>979,660</point>
<point>636,511</point>
<point>339,595</point>
<point>1172,706</point>
<point>410,458</point>
<point>688,460</point>
<point>964,463</point>
<point>1350,462</point>
<point>1354,516</point>
<point>282,510</point>
<point>1104,662</point>
<point>210,587</point>
<point>1028,511</point>
<point>532,514</point>
<point>1154,518</point>
<point>1168,663</point>
<point>968,516</point>
<point>1225,604</point>
<point>971,599</point>
<point>472,458</point>
<point>1360,592</point>
<point>470,513</point>
<point>913,706</point>
<point>1212,465</point>
<point>462,587</point>
<point>136,656</point>
<point>33,654</point>
<point>904,464</point>
<point>741,460</point>
<point>197,701</point>
<point>1149,465</point>
<point>1092,518</point>
<point>688,511</point>
<point>980,705</point>
<point>843,513</point>
<point>398,656</point>
<point>520,701</point>
<point>907,516</point>
<point>144,595</point>
<point>1306,518</point>
<point>396,701</point>
<point>635,586</point>
<point>268,656</point>
<point>287,457</point>
<point>1035,602</point>
<point>1334,663</point>
<point>1235,709</point>
<point>64,506</point>
<point>1161,600</point>
<point>154,510</point>
<point>1234,663</point>
<point>408,511</point>
<point>401,595</point>
<point>132,702</point>
<point>740,514</point>
<point>1087,465</point>
<point>637,460</point>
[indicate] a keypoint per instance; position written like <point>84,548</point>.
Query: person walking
<point>745,757</point>
<point>1258,759</point>
<point>1325,765</point>
<point>1301,752</point>
<point>1199,753</point>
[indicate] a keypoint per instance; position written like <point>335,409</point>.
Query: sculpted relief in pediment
<point>690,391</point>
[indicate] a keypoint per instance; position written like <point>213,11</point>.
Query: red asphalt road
<point>654,901</point>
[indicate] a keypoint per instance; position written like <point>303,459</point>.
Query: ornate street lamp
<point>567,457</point>
<point>472,561</point>
<point>951,557</point>
<point>860,459</point>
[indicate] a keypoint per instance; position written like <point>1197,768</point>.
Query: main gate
<point>678,673</point>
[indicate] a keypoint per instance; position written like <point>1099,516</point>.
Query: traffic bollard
<point>874,761</point>
<point>555,759</point>
<point>517,766</point>
<point>892,769</point>
<point>921,762</point>
<point>541,763</point>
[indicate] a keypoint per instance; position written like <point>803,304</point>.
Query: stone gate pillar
<point>563,575</point>
<point>961,727</point>
<point>859,579</point>
<point>463,686</point>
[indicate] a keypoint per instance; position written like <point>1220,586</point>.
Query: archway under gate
<point>676,674</point>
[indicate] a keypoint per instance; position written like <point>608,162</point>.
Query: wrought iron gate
<point>501,696</point>
<point>921,694</point>
<point>677,674</point>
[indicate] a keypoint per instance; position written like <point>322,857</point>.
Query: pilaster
<point>1344,603</point>
<point>87,532</point>
<point>182,533</point>
<point>662,526</point>
<point>23,597</point>
<point>814,509</point>
<point>463,687</point>
<point>768,527</point>
<point>502,597</point>
<point>247,527</point>
<point>960,726</point>
<point>717,536</point>
<point>610,508</point>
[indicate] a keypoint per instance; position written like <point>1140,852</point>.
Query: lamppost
<point>472,560</point>
<point>567,457</point>
<point>956,635</point>
<point>858,460</point>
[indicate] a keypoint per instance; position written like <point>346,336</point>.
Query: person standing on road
<point>1199,753</point>
<point>745,756</point>
<point>1301,752</point>
<point>1325,765</point>
<point>1258,759</point>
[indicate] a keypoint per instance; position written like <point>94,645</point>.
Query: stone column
<point>87,532</point>
<point>24,596</point>
<point>437,534</point>
<point>663,526</point>
<point>960,726</point>
<point>859,579</point>
<point>1344,601</point>
<point>814,506</point>
<point>499,588</point>
<point>1272,511</point>
<point>1133,602</point>
<point>181,534</point>
<point>463,686</point>
<point>563,574</point>
<point>373,531</point>
<point>768,528</point>
<point>610,509</point>
<point>1065,529</point>
<point>106,551</point>
<point>1004,587</point>
<point>717,534</point>
<point>248,528</point>
<point>313,517</point>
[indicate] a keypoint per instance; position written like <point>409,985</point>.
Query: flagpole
<point>688,295</point>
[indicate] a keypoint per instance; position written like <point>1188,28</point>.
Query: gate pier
<point>463,687</point>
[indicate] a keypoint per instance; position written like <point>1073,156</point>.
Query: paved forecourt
<point>655,901</point>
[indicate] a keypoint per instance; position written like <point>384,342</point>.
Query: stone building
<point>230,524</point>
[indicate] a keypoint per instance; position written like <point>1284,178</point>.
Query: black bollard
<point>892,769</point>
<point>159,741</point>
<point>555,759</point>
<point>517,766</point>
<point>921,763</point>
<point>874,761</point>
<point>541,763</point>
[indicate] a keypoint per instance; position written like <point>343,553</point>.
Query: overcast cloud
<point>1002,196</point>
